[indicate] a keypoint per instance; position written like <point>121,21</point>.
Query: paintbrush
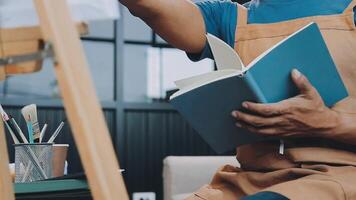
<point>29,112</point>
<point>56,132</point>
<point>43,131</point>
<point>16,130</point>
<point>16,137</point>
<point>4,116</point>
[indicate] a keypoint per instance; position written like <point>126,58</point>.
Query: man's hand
<point>304,115</point>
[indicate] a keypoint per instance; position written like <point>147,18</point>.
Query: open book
<point>206,101</point>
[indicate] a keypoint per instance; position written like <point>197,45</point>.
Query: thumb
<point>302,82</point>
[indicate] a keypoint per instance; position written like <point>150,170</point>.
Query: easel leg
<point>81,103</point>
<point>6,188</point>
<point>2,68</point>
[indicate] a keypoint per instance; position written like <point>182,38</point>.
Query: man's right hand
<point>179,22</point>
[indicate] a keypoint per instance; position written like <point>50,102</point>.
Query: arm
<point>179,22</point>
<point>304,115</point>
<point>345,131</point>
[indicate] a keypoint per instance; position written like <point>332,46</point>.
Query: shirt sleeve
<point>220,18</point>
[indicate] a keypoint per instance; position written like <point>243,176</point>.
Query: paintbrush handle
<point>55,134</point>
<point>14,138</point>
<point>36,131</point>
<point>14,130</point>
<point>30,132</point>
<point>18,130</point>
<point>43,131</point>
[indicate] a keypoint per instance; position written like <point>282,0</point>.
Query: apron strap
<point>242,15</point>
<point>350,7</point>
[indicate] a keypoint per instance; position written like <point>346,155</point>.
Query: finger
<point>302,83</point>
<point>266,110</point>
<point>257,121</point>
<point>271,131</point>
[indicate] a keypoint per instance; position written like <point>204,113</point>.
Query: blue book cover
<point>206,101</point>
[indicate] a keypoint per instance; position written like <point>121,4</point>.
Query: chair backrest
<point>24,41</point>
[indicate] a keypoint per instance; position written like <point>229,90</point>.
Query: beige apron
<point>302,172</point>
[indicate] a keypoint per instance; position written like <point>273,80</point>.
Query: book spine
<point>254,87</point>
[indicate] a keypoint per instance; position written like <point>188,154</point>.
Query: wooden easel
<point>81,104</point>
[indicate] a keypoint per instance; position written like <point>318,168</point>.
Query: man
<point>320,157</point>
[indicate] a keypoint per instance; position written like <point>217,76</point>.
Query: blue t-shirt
<point>220,16</point>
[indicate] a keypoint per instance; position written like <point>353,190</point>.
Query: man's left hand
<point>303,115</point>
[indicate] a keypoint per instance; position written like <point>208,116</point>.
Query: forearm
<point>345,129</point>
<point>179,22</point>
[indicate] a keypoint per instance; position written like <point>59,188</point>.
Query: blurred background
<point>134,72</point>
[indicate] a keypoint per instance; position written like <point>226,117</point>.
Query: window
<point>150,65</point>
<point>43,84</point>
<point>165,66</point>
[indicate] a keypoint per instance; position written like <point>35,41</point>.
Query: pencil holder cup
<point>33,162</point>
<point>59,159</point>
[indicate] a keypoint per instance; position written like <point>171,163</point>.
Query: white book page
<point>228,63</point>
<point>201,79</point>
<point>225,57</point>
<point>204,79</point>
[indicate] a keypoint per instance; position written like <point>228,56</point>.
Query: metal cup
<point>33,162</point>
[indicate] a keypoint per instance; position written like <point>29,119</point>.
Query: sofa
<point>182,175</point>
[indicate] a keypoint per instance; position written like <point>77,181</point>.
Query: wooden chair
<point>79,98</point>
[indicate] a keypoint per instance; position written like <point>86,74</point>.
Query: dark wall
<point>150,136</point>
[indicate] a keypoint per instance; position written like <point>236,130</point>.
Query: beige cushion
<point>186,174</point>
<point>181,196</point>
